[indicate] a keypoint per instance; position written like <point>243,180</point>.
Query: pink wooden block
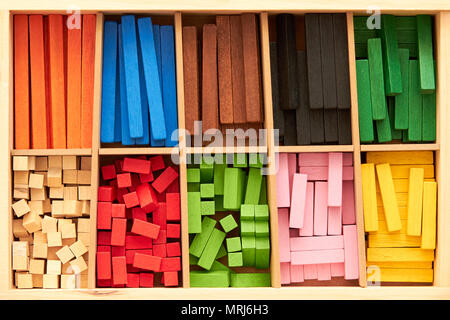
<point>283,199</point>
<point>285,272</point>
<point>337,269</point>
<point>335,179</point>
<point>323,272</point>
<point>292,169</point>
<point>283,234</point>
<point>348,203</point>
<point>317,243</point>
<point>347,173</point>
<point>348,159</point>
<point>321,209</point>
<point>310,271</point>
<point>298,201</point>
<point>315,173</point>
<point>308,222</point>
<point>296,273</point>
<point>334,220</point>
<point>313,159</point>
<point>351,252</point>
<point>317,256</point>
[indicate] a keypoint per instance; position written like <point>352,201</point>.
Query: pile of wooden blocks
<point>51,224</point>
<point>316,217</point>
<point>310,79</point>
<point>54,60</point>
<point>399,195</point>
<point>228,204</point>
<point>396,79</point>
<point>139,95</point>
<point>138,222</point>
<point>228,68</point>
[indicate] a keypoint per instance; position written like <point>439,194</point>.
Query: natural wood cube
<point>72,208</point>
<point>49,224</point>
<point>53,267</point>
<point>20,163</point>
<point>56,192</point>
<point>78,248</point>
<point>37,266</point>
<point>36,181</point>
<point>21,191</point>
<point>54,239</point>
<point>55,162</point>
<point>51,281</point>
<point>84,192</point>
<point>32,222</point>
<point>38,194</point>
<point>21,208</point>
<point>84,176</point>
<point>65,254</point>
<point>70,176</point>
<point>68,281</point>
<point>54,177</point>
<point>32,163</point>
<point>41,164</point>
<point>78,265</point>
<point>86,207</point>
<point>85,163</point>
<point>70,162</point>
<point>28,239</point>
<point>21,177</point>
<point>43,173</point>
<point>24,281</point>
<point>68,231</point>
<point>62,222</point>
<point>84,237</point>
<point>71,193</point>
<point>39,237</point>
<point>47,205</point>
<point>40,250</point>
<point>36,206</point>
<point>84,281</point>
<point>18,230</point>
<point>20,255</point>
<point>83,225</point>
<point>57,208</point>
<point>38,280</point>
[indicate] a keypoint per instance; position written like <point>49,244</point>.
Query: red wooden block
<point>147,196</point>
<point>104,283</point>
<point>162,237</point>
<point>132,280</point>
<point>162,279</point>
<point>118,232</point>
<point>118,164</point>
<point>174,187</point>
<point>120,193</point>
<point>106,193</point>
<point>103,265</point>
<point>104,238</point>
<point>139,214</point>
<point>136,165</point>
<point>109,172</point>
<point>165,179</point>
<point>170,278</point>
<point>118,210</point>
<point>160,216</point>
<point>173,206</point>
<point>145,229</point>
<point>159,250</point>
<point>119,268</point>
<point>173,231</point>
<point>173,249</point>
<point>146,177</point>
<point>138,242</point>
<point>131,199</point>
<point>170,264</point>
<point>103,249</point>
<point>135,181</point>
<point>124,180</point>
<point>146,280</point>
<point>129,254</point>
<point>104,215</point>
<point>161,197</point>
<point>157,162</point>
<point>147,262</point>
<point>131,269</point>
<point>118,251</point>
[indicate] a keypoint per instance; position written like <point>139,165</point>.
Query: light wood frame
<point>441,287</point>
